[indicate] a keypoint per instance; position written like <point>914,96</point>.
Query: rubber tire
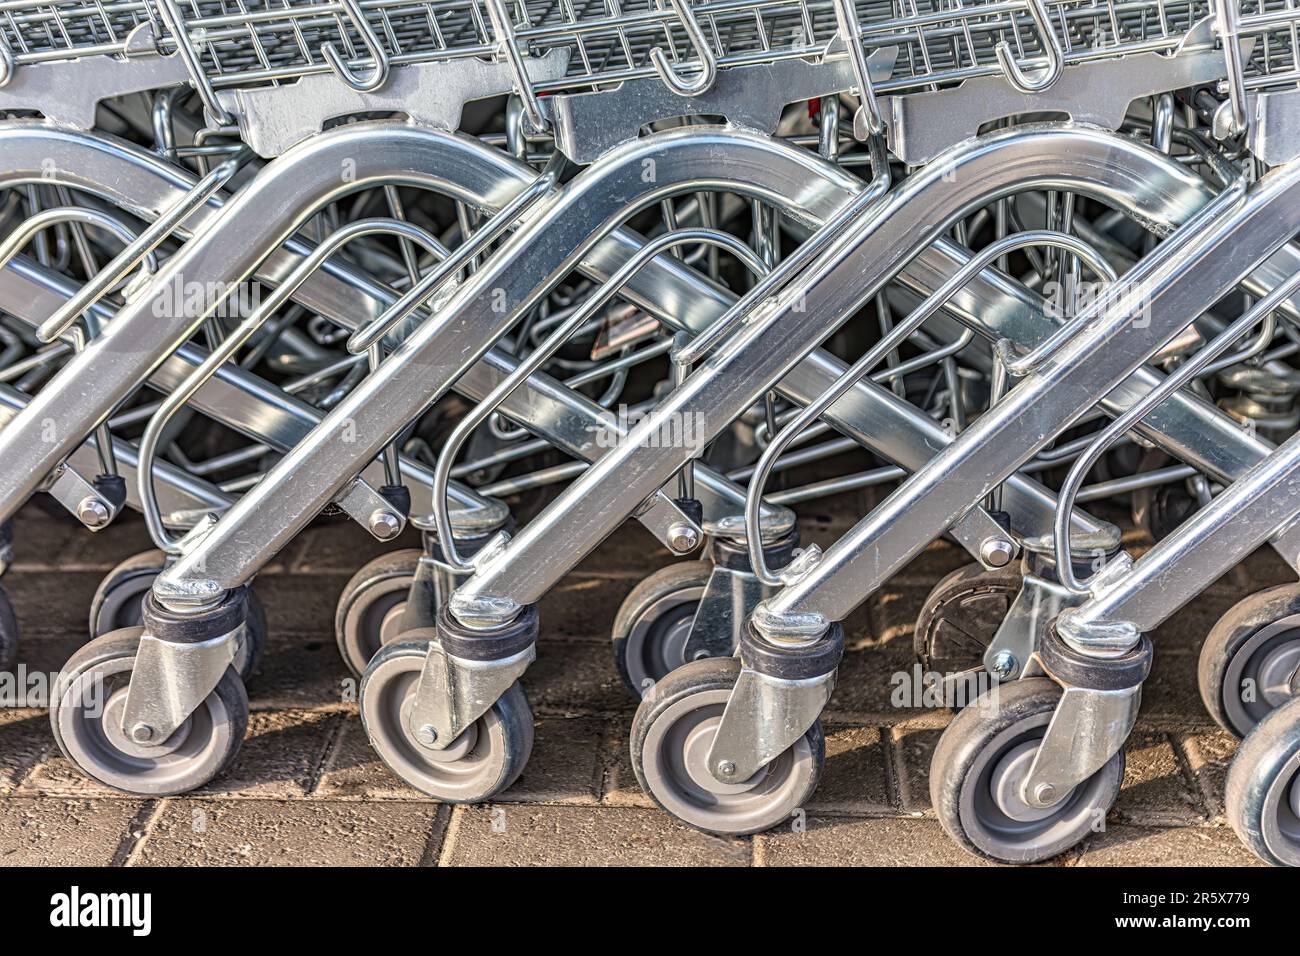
<point>961,747</point>
<point>1238,625</point>
<point>122,644</point>
<point>970,590</point>
<point>1269,751</point>
<point>685,577</point>
<point>703,676</point>
<point>508,721</point>
<point>396,569</point>
<point>108,612</point>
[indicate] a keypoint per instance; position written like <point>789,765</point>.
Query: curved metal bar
<point>703,81</point>
<point>148,240</point>
<point>1181,376</point>
<point>558,336</point>
<point>1016,76</point>
<point>183,392</point>
<point>20,236</point>
<point>851,270</point>
<point>7,66</point>
<point>876,354</point>
<point>379,76</point>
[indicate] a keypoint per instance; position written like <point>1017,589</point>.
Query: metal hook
<point>174,19</point>
<point>702,82</point>
<point>506,46</point>
<point>331,54</point>
<point>868,117</point>
<point>1051,48</point>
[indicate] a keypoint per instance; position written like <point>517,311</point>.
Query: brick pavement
<point>306,789</point>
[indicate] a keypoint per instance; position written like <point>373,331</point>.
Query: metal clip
<point>344,72</point>
<point>1051,48</point>
<point>703,81</point>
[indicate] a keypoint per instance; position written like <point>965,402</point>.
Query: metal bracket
<point>1273,133</point>
<point>83,498</point>
<point>729,598</point>
<point>169,681</point>
<point>371,510</point>
<point>588,125</point>
<point>454,692</point>
<point>272,119</point>
<point>69,91</point>
<point>1087,729</point>
<point>1097,92</point>
<point>1037,603</point>
<point>765,716</point>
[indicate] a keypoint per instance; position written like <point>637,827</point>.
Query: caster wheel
<point>1250,659</point>
<point>87,720</point>
<point>484,760</point>
<point>671,735</point>
<point>960,616</point>
<point>370,608</point>
<point>975,778</point>
<point>8,633</point>
<point>654,622</point>
<point>116,605</point>
<point>1263,789</point>
<point>1162,508</point>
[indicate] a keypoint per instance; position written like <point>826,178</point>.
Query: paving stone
<point>576,678</point>
<point>855,779</point>
<point>1170,691</point>
<point>565,764</point>
<point>353,769</point>
<point>913,748</point>
<point>24,738</point>
<point>532,835</point>
<point>1123,845</point>
<point>58,832</point>
<point>44,535</point>
<point>52,604</point>
<point>867,681</point>
<point>1209,755</point>
<point>300,671</point>
<point>301,603</point>
<point>841,841</point>
<point>281,755</point>
<point>1155,790</point>
<point>340,545</point>
<point>583,607</point>
<point>619,787</point>
<point>290,833</point>
<point>895,608</point>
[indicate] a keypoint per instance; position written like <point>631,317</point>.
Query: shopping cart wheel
<point>8,633</point>
<point>980,762</point>
<point>369,613</point>
<point>653,623</point>
<point>671,735</point>
<point>117,600</point>
<point>86,715</point>
<point>1161,508</point>
<point>1263,789</point>
<point>483,761</point>
<point>1250,662</point>
<point>960,616</point>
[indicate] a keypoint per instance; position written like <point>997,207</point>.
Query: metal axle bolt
<point>1003,664</point>
<point>426,735</point>
<point>384,525</point>
<point>726,768</point>
<point>997,552</point>
<point>92,512</point>
<point>142,733</point>
<point>682,538</point>
<point>1044,792</point>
